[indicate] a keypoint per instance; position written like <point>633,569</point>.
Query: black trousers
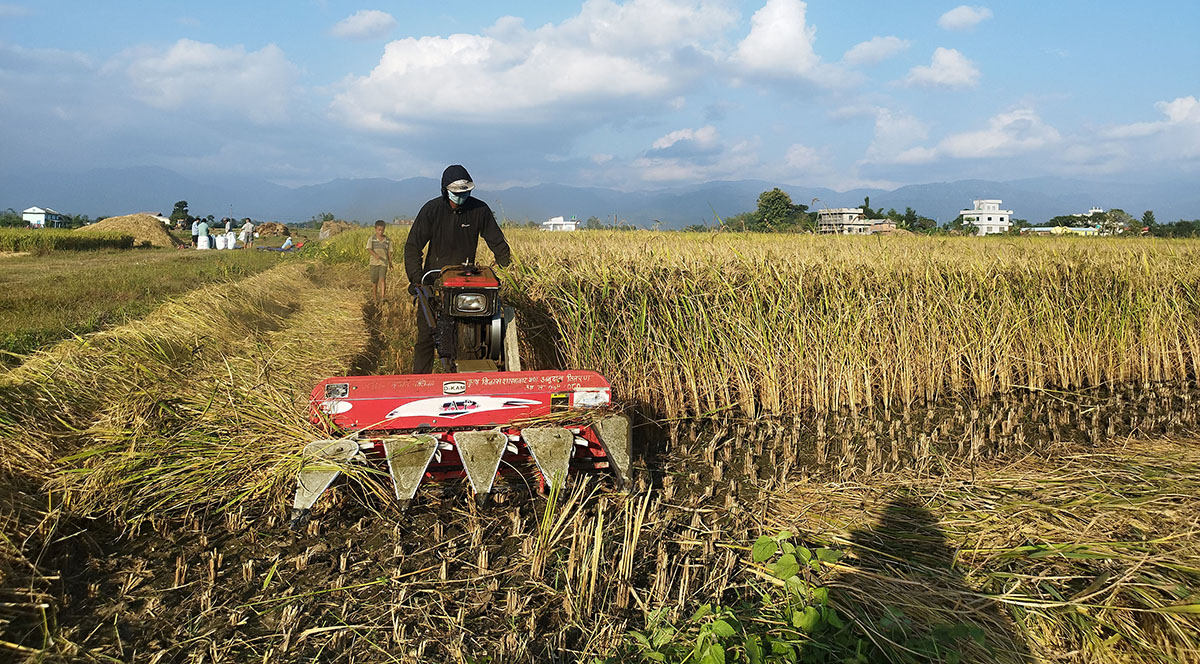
<point>423,350</point>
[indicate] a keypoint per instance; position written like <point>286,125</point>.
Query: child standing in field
<point>379,250</point>
<point>248,233</point>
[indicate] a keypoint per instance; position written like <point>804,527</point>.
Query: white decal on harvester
<point>454,387</point>
<point>592,397</point>
<point>335,407</point>
<point>456,407</point>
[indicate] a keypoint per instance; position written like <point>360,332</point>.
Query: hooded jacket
<point>452,234</point>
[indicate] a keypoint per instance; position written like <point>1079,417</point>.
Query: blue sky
<point>636,94</point>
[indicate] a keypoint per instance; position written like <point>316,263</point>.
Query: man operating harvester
<point>451,226</point>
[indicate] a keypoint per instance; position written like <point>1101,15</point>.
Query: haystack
<point>271,228</point>
<point>331,228</point>
<point>144,227</point>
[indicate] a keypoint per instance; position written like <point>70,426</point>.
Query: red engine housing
<point>440,404</point>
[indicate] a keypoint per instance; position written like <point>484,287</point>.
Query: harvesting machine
<point>483,419</point>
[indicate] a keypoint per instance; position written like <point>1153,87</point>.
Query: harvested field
<point>145,228</point>
<point>1003,511</point>
<point>47,298</point>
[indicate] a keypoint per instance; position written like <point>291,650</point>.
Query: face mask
<point>458,199</point>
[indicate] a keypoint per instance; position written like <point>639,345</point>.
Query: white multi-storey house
<point>560,224</point>
<point>987,217</point>
<point>843,221</point>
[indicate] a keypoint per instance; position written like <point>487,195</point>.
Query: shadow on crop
<point>367,361</point>
<point>913,594</point>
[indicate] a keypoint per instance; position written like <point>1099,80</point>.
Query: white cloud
<point>32,62</point>
<point>1184,110</point>
<point>895,134</point>
<point>737,161</point>
<point>780,45</point>
<point>853,111</point>
<point>1134,130</point>
<point>704,137</point>
<point>189,74</point>
<point>364,24</point>
<point>947,69</point>
<point>609,61</point>
<point>809,163</point>
<point>8,10</point>
<point>1015,132</point>
<point>694,154</point>
<point>964,17</point>
<point>800,157</point>
<point>1177,133</point>
<point>875,50</point>
<point>645,26</point>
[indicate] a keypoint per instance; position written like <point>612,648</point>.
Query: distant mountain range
<point>109,192</point>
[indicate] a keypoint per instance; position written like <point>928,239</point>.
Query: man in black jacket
<point>451,226</point>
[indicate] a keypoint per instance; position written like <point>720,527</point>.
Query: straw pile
<point>331,228</point>
<point>271,228</point>
<point>144,227</point>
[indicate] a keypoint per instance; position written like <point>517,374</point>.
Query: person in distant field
<point>228,225</point>
<point>450,225</point>
<point>379,253</point>
<point>248,233</point>
<point>195,234</point>
<point>287,241</point>
<point>202,239</point>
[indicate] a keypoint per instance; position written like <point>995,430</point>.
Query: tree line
<point>776,212</point>
<point>10,218</point>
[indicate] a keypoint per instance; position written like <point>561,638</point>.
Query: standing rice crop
<point>48,239</point>
<point>689,324</point>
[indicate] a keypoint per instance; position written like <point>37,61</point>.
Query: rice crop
<point>1082,556</point>
<point>121,406</point>
<point>48,298</point>
<point>53,239</point>
<point>688,325</point>
<point>161,457</point>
